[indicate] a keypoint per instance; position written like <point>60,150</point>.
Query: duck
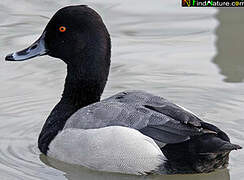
<point>131,132</point>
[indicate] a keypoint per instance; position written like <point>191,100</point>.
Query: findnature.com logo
<point>212,3</point>
<point>186,3</point>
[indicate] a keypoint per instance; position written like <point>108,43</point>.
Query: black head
<point>73,30</point>
<point>78,36</point>
<point>71,34</point>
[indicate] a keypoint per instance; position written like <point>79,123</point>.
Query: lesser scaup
<point>131,132</point>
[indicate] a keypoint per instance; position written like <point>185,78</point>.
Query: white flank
<point>113,148</point>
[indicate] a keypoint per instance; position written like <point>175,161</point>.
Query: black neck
<point>84,84</point>
<point>80,89</point>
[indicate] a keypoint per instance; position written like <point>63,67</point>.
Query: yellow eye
<point>62,29</point>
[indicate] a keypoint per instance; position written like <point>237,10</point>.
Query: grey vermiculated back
<point>132,109</point>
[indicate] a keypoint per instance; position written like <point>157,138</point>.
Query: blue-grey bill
<point>38,48</point>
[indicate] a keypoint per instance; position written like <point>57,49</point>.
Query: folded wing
<point>152,115</point>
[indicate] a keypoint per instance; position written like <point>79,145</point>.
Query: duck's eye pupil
<point>62,29</point>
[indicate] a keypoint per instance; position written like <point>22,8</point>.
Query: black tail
<point>203,153</point>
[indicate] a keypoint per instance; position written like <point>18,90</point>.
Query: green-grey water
<point>191,56</point>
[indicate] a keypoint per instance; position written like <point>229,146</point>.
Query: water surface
<point>191,56</point>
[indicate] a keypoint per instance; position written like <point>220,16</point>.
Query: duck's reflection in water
<point>73,172</point>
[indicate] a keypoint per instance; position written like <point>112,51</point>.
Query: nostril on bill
<point>33,47</point>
